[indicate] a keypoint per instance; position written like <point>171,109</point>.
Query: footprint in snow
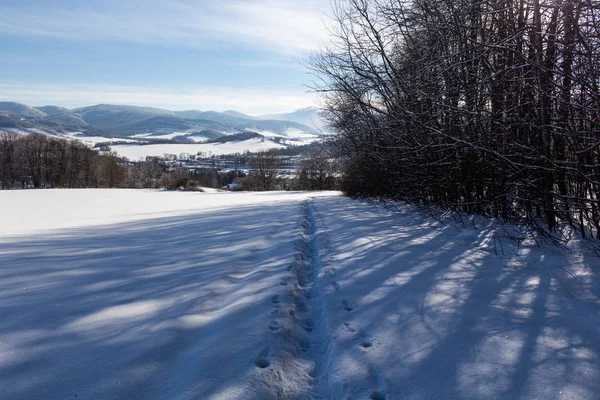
<point>308,325</point>
<point>378,395</point>
<point>263,359</point>
<point>304,344</point>
<point>350,329</point>
<point>262,363</point>
<point>274,326</point>
<point>347,305</point>
<point>301,305</point>
<point>335,285</point>
<point>275,299</point>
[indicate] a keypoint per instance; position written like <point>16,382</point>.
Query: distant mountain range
<point>122,121</point>
<point>308,116</point>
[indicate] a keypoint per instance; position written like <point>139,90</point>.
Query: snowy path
<point>298,356</point>
<point>174,307</point>
<point>108,294</point>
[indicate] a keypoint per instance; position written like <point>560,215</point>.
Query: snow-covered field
<point>88,140</point>
<point>125,294</point>
<point>134,152</point>
<point>168,136</point>
<point>290,133</point>
<point>194,136</point>
<point>94,140</point>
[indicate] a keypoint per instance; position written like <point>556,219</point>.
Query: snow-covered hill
<point>137,152</point>
<point>309,116</point>
<point>140,146</point>
<point>126,121</point>
<point>89,140</point>
<point>21,109</point>
<point>186,130</point>
<point>136,294</point>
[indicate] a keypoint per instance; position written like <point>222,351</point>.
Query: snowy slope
<point>134,152</point>
<point>309,116</point>
<point>290,133</point>
<point>423,311</point>
<point>89,140</point>
<point>138,294</point>
<point>94,140</point>
<point>170,298</point>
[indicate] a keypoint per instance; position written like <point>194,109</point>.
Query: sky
<point>246,55</point>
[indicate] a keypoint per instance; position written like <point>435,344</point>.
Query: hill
<point>107,123</point>
<point>21,109</point>
<point>309,116</point>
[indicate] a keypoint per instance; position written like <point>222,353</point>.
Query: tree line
<point>36,161</point>
<point>481,106</point>
<point>41,161</point>
<point>316,170</point>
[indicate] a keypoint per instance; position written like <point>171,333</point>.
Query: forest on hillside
<point>488,107</point>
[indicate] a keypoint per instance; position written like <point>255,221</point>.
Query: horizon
<point>161,108</point>
<point>180,55</point>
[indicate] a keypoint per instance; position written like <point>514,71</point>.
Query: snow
<point>15,130</point>
<point>443,316</point>
<point>294,133</point>
<point>94,140</point>
<point>267,133</point>
<point>164,136</point>
<point>194,135</point>
<point>26,212</point>
<point>198,138</point>
<point>134,152</point>
<point>142,294</point>
<point>28,131</point>
<point>290,133</point>
<point>41,131</point>
<point>88,140</point>
<point>211,190</point>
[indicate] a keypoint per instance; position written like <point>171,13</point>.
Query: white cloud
<point>247,100</point>
<point>289,27</point>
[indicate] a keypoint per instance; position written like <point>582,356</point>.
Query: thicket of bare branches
<point>487,107</point>
<point>264,168</point>
<point>317,171</point>
<point>37,161</point>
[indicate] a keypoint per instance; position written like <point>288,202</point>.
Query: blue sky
<point>246,55</point>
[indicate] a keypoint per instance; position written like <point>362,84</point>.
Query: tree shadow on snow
<point>162,308</point>
<point>450,319</point>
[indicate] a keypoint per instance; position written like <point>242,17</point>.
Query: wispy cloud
<point>288,27</point>
<point>248,100</point>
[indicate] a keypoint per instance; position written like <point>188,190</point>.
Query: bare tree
<point>37,161</point>
<point>475,105</point>
<point>264,167</point>
<point>317,171</point>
